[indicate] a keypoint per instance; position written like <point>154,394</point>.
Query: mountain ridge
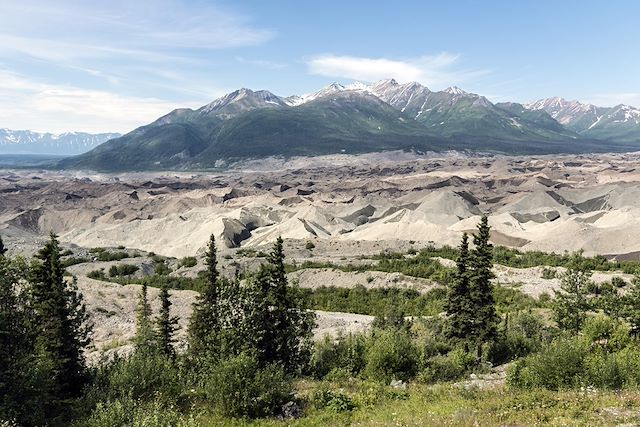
<point>357,118</point>
<point>66,143</point>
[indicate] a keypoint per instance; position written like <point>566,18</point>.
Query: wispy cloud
<point>432,70</point>
<point>87,29</point>
<point>30,104</point>
<point>98,66</point>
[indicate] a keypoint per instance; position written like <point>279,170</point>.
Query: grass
<point>448,405</point>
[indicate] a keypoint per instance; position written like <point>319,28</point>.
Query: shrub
<point>601,370</point>
<point>162,269</point>
<point>239,387</point>
<point>391,355</point>
<point>548,273</point>
<point>333,400</point>
<point>122,270</point>
<point>618,282</point>
<point>188,262</point>
<point>559,365</point>
<point>105,255</point>
<point>309,246</point>
<point>97,274</point>
<point>628,360</point>
<point>127,412</point>
<point>606,333</point>
<point>598,328</point>
<point>346,353</point>
<point>525,334</point>
<point>141,376</point>
<point>447,367</point>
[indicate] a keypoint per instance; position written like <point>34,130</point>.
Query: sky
<point>111,66</point>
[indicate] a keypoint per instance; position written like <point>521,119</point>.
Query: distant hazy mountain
<point>620,123</point>
<point>359,118</point>
<point>69,143</point>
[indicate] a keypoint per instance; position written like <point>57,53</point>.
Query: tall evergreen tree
<point>484,327</point>
<point>166,325</point>
<point>204,326</point>
<point>3,249</point>
<point>285,325</point>
<point>15,346</point>
<point>145,339</point>
<point>458,305</point>
<point>60,321</point>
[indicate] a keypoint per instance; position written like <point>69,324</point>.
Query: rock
<point>291,410</point>
<point>398,384</point>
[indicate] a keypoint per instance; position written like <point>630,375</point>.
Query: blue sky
<point>115,65</point>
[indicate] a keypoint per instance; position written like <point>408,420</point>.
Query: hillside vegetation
<point>464,352</point>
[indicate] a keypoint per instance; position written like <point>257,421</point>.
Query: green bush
<point>559,365</point>
<point>97,274</point>
<point>525,333</point>
<point>602,371</point>
<point>127,412</point>
<point>122,270</point>
<point>548,273</point>
<point>140,377</point>
<point>376,301</point>
<point>606,333</point>
<point>188,262</point>
<point>618,282</point>
<point>162,269</point>
<point>628,360</point>
<point>449,367</point>
<point>68,262</point>
<point>333,400</point>
<point>346,353</point>
<point>239,387</point>
<point>391,355</point>
<point>105,255</point>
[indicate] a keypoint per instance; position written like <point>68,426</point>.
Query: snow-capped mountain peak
<point>65,143</point>
<point>455,90</point>
<point>358,86</point>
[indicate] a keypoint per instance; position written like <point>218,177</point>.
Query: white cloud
<point>29,104</point>
<point>99,66</point>
<point>611,99</point>
<point>434,70</point>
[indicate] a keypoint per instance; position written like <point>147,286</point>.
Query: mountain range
<point>359,118</point>
<point>69,143</point>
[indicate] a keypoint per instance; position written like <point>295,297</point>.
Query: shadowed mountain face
<point>354,119</point>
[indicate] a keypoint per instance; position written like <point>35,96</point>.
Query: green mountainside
<point>354,119</point>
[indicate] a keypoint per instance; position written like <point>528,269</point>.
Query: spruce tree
<point>166,325</point>
<point>458,305</point>
<point>60,324</point>
<point>15,346</point>
<point>3,249</point>
<point>145,339</point>
<point>285,326</point>
<point>204,326</point>
<point>485,319</point>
